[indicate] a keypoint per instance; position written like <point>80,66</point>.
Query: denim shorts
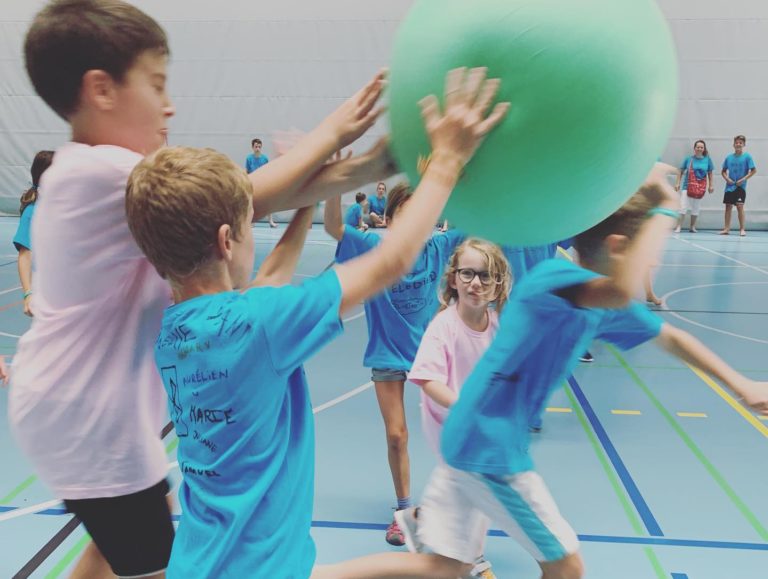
<point>388,375</point>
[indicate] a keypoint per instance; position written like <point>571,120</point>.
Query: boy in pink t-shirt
<point>477,276</point>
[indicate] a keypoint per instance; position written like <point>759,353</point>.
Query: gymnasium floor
<point>661,472</point>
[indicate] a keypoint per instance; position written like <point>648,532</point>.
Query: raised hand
<point>465,121</point>
<point>357,114</point>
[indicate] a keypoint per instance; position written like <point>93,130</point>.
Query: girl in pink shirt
<point>477,277</point>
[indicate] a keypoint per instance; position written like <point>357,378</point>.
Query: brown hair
<point>68,38</point>
<point>360,197</point>
<point>40,164</point>
<point>498,267</point>
<point>626,221</point>
<point>176,201</point>
<point>706,152</point>
<point>399,194</point>
<point>741,138</point>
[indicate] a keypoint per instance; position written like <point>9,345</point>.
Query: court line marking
<point>691,414</point>
<point>733,259</point>
<point>627,412</point>
<point>558,410</point>
<point>665,308</point>
<point>740,505</point>
<point>9,290</point>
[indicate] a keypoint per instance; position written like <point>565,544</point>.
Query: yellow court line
<point>691,414</point>
<point>562,410</point>
<point>746,414</point>
<point>763,417</point>
<point>628,412</point>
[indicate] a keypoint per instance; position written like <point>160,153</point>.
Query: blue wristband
<point>664,211</point>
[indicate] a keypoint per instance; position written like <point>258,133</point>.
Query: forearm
<point>280,265</point>
<point>332,218</point>
<point>440,393</point>
<point>684,346</point>
<point>25,269</point>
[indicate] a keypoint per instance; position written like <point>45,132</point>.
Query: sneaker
<point>586,357</point>
<point>677,229</point>
<point>407,524</point>
<point>482,569</point>
<point>394,534</point>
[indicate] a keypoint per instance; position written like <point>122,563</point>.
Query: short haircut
<point>399,194</point>
<point>68,38</point>
<point>176,201</point>
<point>741,138</point>
<point>360,197</point>
<point>254,141</point>
<point>626,221</point>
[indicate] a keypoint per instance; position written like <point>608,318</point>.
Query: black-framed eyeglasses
<point>467,275</point>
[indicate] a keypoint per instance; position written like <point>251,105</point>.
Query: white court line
<point>29,510</point>
<point>9,335</point>
<point>742,263</point>
<point>665,308</point>
<point>9,290</point>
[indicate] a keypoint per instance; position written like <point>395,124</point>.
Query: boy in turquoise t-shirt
<point>738,168</point>
<point>230,351</point>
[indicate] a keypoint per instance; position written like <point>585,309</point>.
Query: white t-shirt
<point>86,402</point>
<point>448,353</point>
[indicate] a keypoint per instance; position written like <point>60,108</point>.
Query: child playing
<point>231,354</point>
<point>354,216</point>
<point>396,320</point>
<point>22,240</point>
<point>378,206</point>
<point>86,403</point>
<point>551,316</point>
<point>477,278</point>
<point>253,161</point>
<point>693,180</point>
<point>738,168</point>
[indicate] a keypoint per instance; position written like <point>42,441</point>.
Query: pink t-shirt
<point>448,353</point>
<point>86,402</point>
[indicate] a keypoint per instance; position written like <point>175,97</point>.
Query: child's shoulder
<point>83,161</point>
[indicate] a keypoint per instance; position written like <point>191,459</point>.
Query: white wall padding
<point>241,68</point>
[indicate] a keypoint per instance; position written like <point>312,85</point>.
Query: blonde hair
<point>498,267</point>
<point>176,201</point>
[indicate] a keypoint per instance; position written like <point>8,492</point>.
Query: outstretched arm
<point>683,345</point>
<point>280,265</point>
<point>332,218</point>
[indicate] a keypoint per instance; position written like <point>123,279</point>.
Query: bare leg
<point>272,221</point>
<point>742,218</point>
<point>693,223</point>
<point>680,223</point>
<point>390,397</point>
<point>650,295</point>
<point>569,567</point>
<point>727,225</point>
<point>92,565</point>
<point>395,566</point>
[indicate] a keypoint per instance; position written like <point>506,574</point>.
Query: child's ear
<point>224,242</point>
<point>99,90</point>
<point>616,245</point>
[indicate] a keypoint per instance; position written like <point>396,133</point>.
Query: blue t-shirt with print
<point>231,364</point>
<point>23,237</point>
<point>737,166</point>
<point>252,162</point>
<point>398,317</point>
<point>378,205</point>
<point>538,344</point>
<point>523,259</point>
<point>354,213</point>
<point>701,166</point>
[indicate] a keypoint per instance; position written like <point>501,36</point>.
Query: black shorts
<point>735,197</point>
<point>134,532</point>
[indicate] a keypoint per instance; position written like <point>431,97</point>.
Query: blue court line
<point>652,541</point>
<point>679,576</point>
<point>635,496</point>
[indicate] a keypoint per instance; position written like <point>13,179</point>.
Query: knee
<point>445,568</point>
<point>397,439</point>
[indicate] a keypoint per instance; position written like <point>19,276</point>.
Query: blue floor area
<point>661,474</point>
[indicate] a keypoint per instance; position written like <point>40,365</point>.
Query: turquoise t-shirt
<point>232,366</point>
<point>701,166</point>
<point>252,162</point>
<point>23,237</point>
<point>737,166</point>
<point>377,205</point>
<point>353,215</point>
<point>537,346</point>
<point>398,317</point>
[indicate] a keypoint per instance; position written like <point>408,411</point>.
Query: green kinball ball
<point>593,87</point>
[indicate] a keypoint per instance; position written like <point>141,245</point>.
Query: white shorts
<point>689,203</point>
<point>458,505</point>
